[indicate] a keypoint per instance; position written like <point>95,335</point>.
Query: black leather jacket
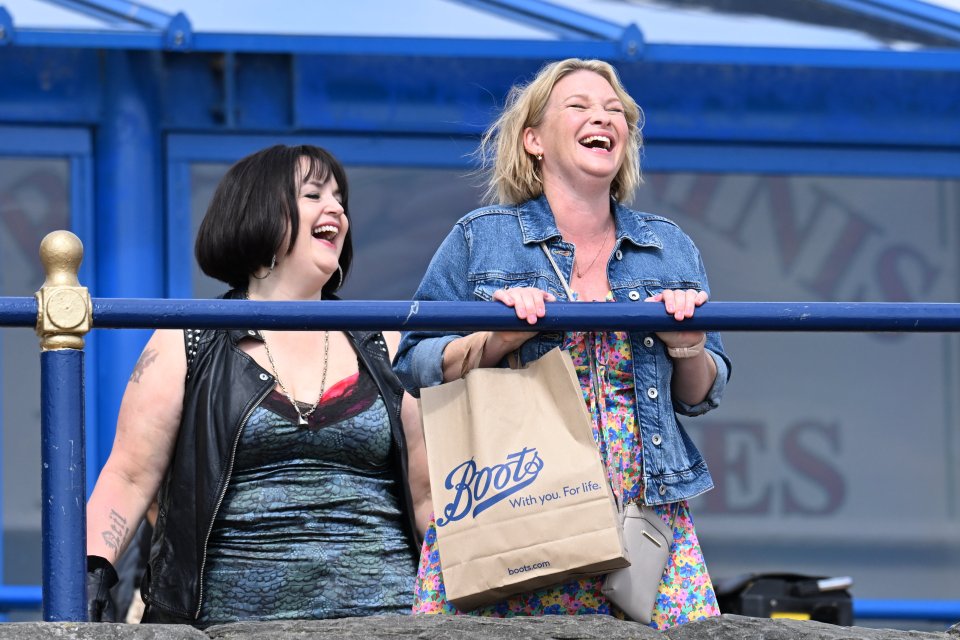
<point>223,387</point>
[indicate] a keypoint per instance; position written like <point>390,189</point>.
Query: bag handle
<point>553,263</point>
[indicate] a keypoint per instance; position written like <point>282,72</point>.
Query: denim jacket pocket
<point>488,284</point>
<point>654,287</point>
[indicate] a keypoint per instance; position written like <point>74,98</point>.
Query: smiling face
<point>323,224</point>
<point>583,133</point>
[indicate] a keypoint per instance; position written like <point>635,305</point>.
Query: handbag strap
<point>553,263</point>
<point>616,498</point>
<point>566,289</point>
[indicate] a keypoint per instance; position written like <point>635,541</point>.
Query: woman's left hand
<point>681,304</point>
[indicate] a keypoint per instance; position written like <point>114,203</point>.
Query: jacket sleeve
<point>714,347</point>
<point>419,359</point>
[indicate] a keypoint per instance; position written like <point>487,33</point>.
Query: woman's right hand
<point>529,303</point>
<point>101,577</point>
<point>487,348</point>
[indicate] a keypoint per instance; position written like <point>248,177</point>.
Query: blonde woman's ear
<point>531,143</point>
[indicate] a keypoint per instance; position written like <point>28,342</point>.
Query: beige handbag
<point>647,539</point>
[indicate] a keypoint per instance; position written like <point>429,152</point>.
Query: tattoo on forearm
<point>146,359</point>
<point>115,536</point>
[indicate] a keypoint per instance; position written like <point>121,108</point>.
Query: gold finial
<point>64,308</point>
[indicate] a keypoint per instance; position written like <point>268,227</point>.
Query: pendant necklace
<point>576,265</point>
<point>301,415</point>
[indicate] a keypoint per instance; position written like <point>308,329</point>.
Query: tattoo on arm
<point>116,535</point>
<point>146,359</point>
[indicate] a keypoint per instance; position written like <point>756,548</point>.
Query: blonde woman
<point>563,157</point>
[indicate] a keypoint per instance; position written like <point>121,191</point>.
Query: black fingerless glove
<point>101,577</point>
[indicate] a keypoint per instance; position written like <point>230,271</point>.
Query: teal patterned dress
<point>311,525</point>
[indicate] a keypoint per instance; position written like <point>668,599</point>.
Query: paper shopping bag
<point>520,496</point>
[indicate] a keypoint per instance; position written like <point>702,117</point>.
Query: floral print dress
<point>605,370</point>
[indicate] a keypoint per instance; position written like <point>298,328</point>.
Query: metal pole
<point>64,313</point>
<point>130,218</point>
<point>118,313</point>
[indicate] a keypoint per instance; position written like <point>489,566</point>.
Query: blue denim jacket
<point>498,247</point>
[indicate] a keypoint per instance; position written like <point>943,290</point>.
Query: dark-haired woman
<point>287,464</point>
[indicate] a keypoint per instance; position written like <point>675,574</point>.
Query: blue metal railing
<point>129,313</point>
<point>934,610</point>
<point>63,480</point>
<point>62,383</point>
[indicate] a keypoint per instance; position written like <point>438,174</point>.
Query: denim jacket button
<point>663,489</point>
<point>634,295</point>
<point>618,255</point>
<point>648,342</point>
<point>652,393</point>
<point>656,439</point>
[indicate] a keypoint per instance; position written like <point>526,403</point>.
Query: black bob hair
<point>252,207</point>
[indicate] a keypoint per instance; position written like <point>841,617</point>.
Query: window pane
<point>203,182</point>
<point>832,452</point>
<point>399,216</point>
<point>33,202</point>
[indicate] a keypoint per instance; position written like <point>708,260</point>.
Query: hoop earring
<point>340,278</point>
<point>273,263</point>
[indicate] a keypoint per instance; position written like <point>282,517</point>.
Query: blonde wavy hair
<point>511,174</point>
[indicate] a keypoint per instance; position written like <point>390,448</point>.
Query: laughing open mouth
<point>597,142</point>
<point>327,232</point>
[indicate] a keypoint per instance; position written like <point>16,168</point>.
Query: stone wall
<point>726,627</point>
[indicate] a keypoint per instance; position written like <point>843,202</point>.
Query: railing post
<point>64,315</point>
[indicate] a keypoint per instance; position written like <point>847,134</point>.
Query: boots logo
<point>478,489</point>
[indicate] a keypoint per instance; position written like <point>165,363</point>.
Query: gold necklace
<point>323,379</point>
<point>302,417</point>
<point>576,267</point>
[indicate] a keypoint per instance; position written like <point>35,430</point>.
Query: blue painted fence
<point>137,313</point>
<point>64,536</point>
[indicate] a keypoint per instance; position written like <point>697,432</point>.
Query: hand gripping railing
<point>63,312</point>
